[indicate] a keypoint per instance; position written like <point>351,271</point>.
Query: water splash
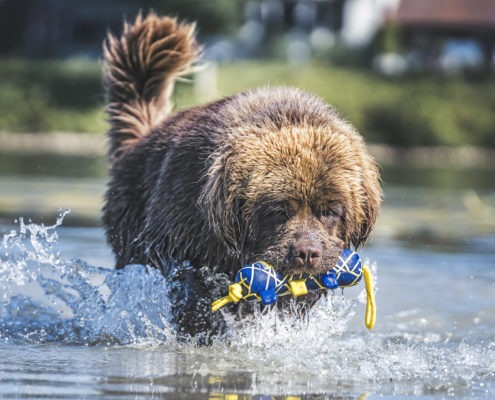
<point>17,259</point>
<point>47,299</point>
<point>71,301</point>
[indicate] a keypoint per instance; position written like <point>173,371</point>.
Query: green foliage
<point>211,16</point>
<point>51,96</point>
<point>387,39</point>
<point>428,110</point>
<point>434,111</point>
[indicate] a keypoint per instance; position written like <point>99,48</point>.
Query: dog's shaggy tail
<point>139,73</point>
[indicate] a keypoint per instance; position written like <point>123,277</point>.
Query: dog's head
<point>293,195</point>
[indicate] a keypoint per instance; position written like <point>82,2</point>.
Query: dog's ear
<point>370,202</point>
<point>221,202</point>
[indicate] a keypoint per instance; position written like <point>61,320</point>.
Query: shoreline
<point>91,145</point>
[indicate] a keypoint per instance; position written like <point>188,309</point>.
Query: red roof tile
<point>453,13</point>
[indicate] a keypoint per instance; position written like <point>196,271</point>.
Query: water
<point>70,327</point>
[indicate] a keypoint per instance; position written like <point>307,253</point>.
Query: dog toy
<point>260,282</point>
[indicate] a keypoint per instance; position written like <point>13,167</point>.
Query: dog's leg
<point>192,291</point>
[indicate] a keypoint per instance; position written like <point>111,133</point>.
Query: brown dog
<point>272,174</point>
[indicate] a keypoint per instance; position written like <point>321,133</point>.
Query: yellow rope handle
<point>235,294</point>
<point>370,299</point>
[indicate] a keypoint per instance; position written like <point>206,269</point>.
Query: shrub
<point>427,110</point>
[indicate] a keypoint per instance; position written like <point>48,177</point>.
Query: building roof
<point>448,13</point>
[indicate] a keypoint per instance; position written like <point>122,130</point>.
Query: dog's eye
<point>332,210</point>
<point>328,213</point>
<point>278,216</point>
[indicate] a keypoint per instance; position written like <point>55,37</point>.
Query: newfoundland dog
<point>273,174</point>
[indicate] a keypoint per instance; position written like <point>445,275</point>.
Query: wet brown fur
<point>227,183</point>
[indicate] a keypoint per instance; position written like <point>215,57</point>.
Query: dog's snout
<point>306,252</point>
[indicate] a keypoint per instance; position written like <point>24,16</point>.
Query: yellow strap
<point>370,299</point>
<point>235,294</point>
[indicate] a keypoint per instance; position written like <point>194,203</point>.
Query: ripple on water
<point>47,299</point>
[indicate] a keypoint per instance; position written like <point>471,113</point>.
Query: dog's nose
<point>307,252</point>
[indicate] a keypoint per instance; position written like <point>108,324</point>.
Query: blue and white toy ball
<point>259,281</point>
<point>349,268</point>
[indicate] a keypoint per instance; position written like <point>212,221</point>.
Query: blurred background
<point>416,77</point>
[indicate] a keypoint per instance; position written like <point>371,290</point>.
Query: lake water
<point>71,327</point>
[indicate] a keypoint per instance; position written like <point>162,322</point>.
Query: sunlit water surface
<point>72,329</point>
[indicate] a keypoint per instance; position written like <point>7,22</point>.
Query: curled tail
<point>140,68</point>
